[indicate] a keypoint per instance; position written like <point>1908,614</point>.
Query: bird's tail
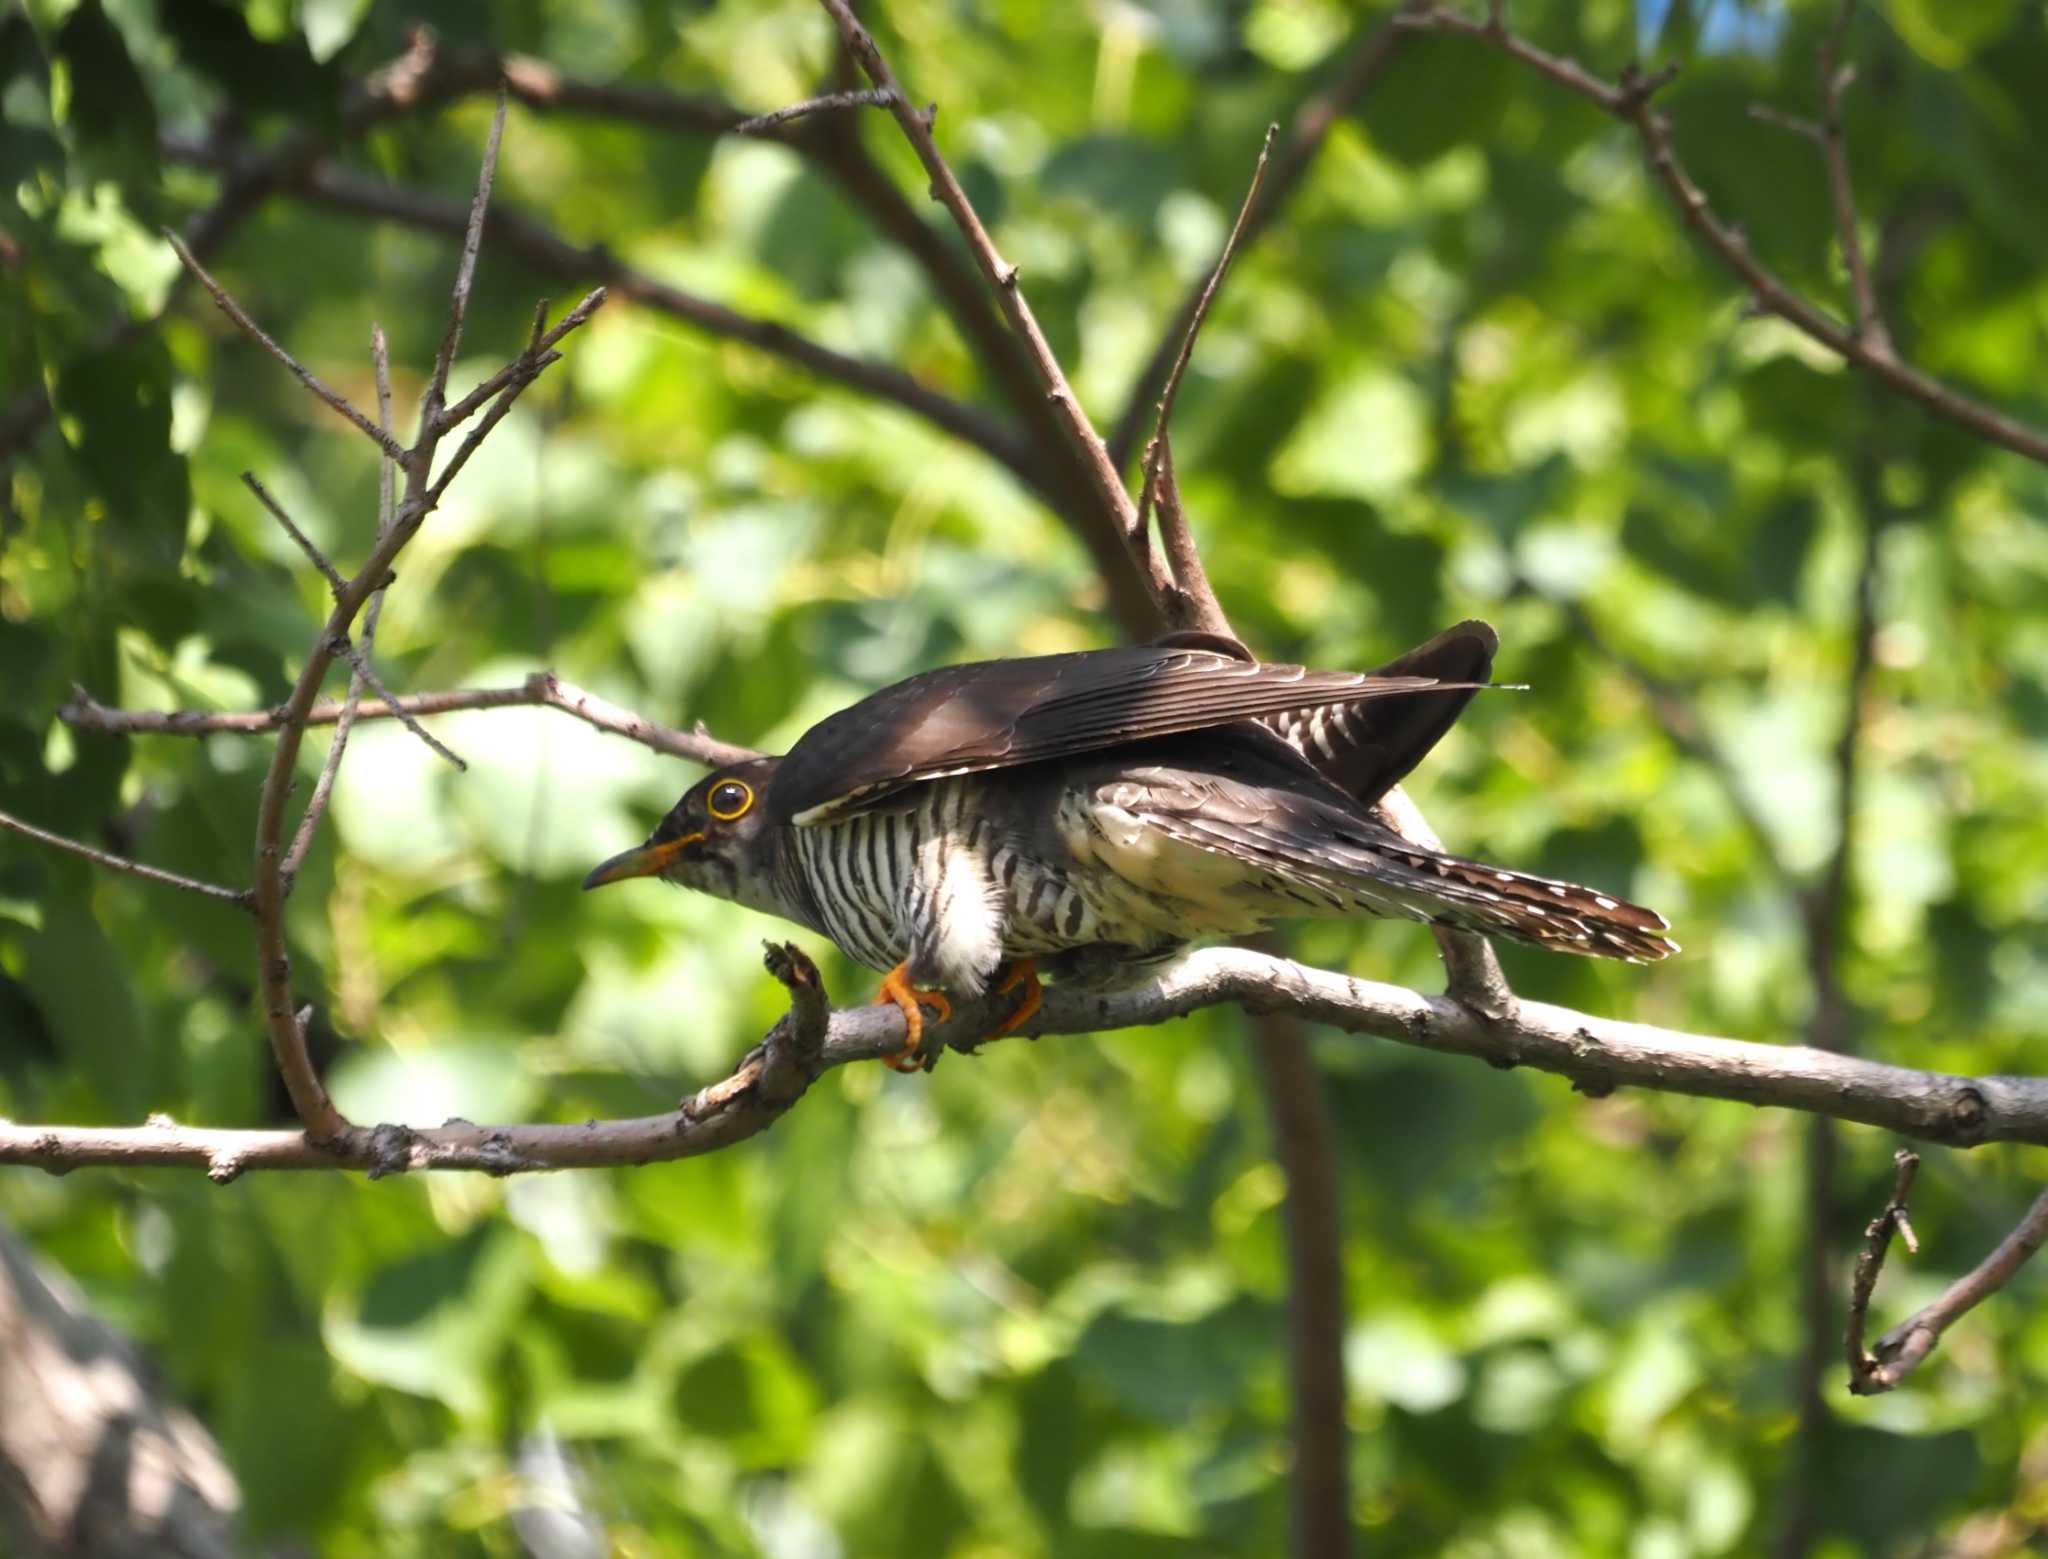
<point>1473,896</point>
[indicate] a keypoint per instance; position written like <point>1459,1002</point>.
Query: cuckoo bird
<point>1090,812</point>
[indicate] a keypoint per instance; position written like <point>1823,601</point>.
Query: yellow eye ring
<point>729,799</point>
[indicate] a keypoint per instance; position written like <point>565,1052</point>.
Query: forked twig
<point>1185,593</point>
<point>1906,1346</point>
<point>1628,100</point>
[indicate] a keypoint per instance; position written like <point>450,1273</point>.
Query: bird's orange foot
<point>1023,972</point>
<point>896,987</point>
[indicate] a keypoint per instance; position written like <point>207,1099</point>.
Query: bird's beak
<point>645,861</point>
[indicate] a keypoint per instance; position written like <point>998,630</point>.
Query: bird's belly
<point>1153,885</point>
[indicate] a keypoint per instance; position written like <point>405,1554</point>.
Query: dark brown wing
<point>1366,749</point>
<point>1003,713</point>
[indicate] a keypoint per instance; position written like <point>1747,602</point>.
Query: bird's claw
<point>896,987</point>
<point>1023,972</point>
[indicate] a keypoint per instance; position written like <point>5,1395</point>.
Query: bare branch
<point>1001,276</point>
<point>1877,1240</point>
<point>387,508</point>
<point>1901,1350</point>
<point>277,512</point>
<point>543,690</point>
<point>305,376</point>
<point>365,672</point>
<point>1155,450</point>
<point>1305,1147</point>
<point>1368,58</point>
<point>239,897</point>
<point>465,274</point>
<point>1835,81</point>
<point>269,884</point>
<point>830,102</point>
<point>1597,1054</point>
<point>1629,101</point>
<point>1192,603</point>
<point>546,251</point>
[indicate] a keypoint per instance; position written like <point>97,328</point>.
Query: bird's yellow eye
<point>729,799</point>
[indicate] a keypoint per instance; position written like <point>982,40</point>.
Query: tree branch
<point>542,690</point>
<point>1596,1054</point>
<point>270,883</point>
<point>387,515</point>
<point>318,387</point>
<point>1304,1143</point>
<point>1000,275</point>
<point>1368,58</point>
<point>1628,100</point>
<point>830,102</point>
<point>1901,1350</point>
<point>239,897</point>
<point>548,253</point>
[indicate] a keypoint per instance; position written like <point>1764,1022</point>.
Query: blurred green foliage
<point>1033,1303</point>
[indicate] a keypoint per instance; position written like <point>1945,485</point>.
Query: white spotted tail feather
<point>1562,916</point>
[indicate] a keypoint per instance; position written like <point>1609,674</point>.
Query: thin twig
<point>305,376</point>
<point>1115,504</point>
<point>830,102</point>
<point>268,886</point>
<point>1877,1239</point>
<point>1835,81</point>
<point>1154,450</point>
<point>353,653</point>
<point>239,897</point>
<point>387,506</point>
<point>541,690</point>
<point>1905,1347</point>
<point>1364,63</point>
<point>1629,101</point>
<point>277,512</point>
<point>465,275</point>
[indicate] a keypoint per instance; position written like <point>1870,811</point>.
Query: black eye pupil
<point>729,799</point>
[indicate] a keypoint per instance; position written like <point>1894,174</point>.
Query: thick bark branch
<point>94,1460</point>
<point>1597,1054</point>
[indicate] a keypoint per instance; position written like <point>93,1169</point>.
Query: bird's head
<point>718,839</point>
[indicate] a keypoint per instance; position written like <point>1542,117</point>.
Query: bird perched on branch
<point>1093,811</point>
